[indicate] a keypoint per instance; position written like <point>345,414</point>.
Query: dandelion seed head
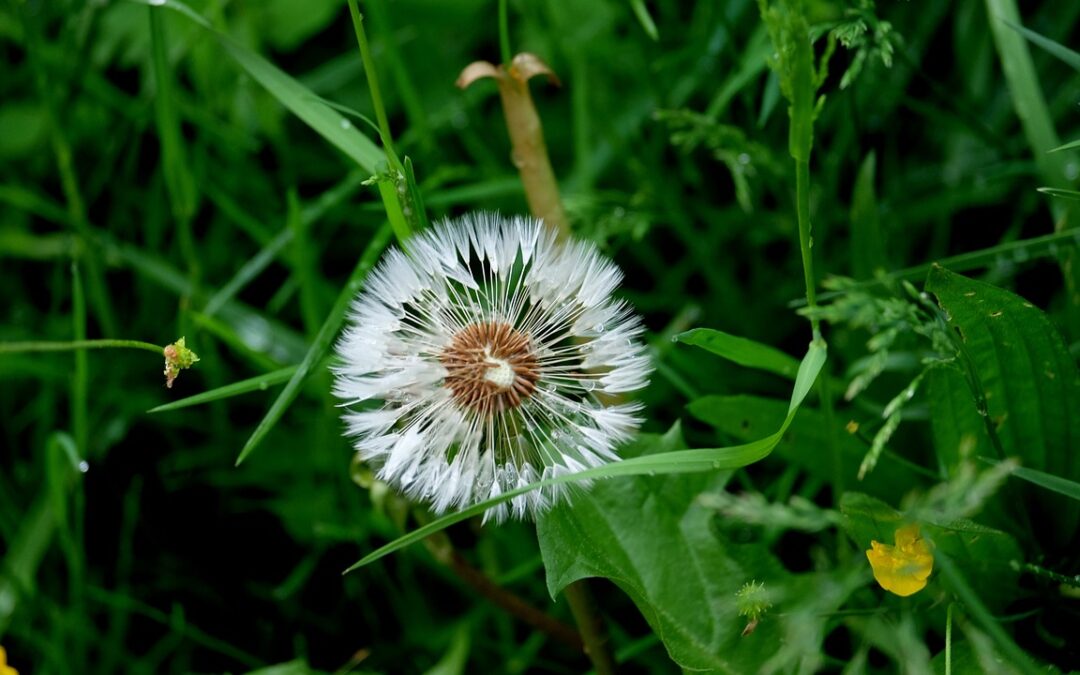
<point>479,359</point>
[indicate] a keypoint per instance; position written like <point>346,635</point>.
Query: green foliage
<point>212,170</point>
<point>1023,380</point>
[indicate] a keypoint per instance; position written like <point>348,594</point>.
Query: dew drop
<point>157,3</point>
<point>345,124</point>
<point>83,466</point>
<point>588,385</point>
<point>599,328</point>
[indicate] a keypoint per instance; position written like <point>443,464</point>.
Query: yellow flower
<point>902,569</point>
<point>5,669</point>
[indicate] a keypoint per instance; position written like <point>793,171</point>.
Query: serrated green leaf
<point>629,532</point>
<point>741,351</point>
<point>1020,365</point>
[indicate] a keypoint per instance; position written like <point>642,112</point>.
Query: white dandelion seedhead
<point>474,363</point>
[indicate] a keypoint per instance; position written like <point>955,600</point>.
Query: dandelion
<point>476,362</point>
<point>904,568</point>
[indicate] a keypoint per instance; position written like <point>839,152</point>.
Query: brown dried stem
<point>529,152</point>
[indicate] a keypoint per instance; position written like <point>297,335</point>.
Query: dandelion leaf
<point>654,538</point>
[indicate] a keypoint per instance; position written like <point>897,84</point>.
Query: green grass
<point>201,169</point>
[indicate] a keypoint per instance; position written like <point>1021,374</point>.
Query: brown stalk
<point>529,152</point>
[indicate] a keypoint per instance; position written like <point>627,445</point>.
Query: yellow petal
<point>902,569</point>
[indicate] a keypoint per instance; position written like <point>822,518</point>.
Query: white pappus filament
<point>475,363</point>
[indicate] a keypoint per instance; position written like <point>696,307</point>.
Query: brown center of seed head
<point>490,367</point>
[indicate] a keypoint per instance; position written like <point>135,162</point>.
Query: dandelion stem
<point>44,346</point>
<point>590,625</point>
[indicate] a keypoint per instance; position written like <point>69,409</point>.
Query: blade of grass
<point>981,614</point>
<point>682,461</point>
<point>257,383</point>
<point>1060,193</point>
<point>1045,480</point>
<point>1027,95</point>
<point>1067,146</point>
<point>80,383</point>
<point>643,17</point>
<point>321,346</point>
<point>179,183</point>
<point>248,271</point>
<point>324,120</point>
<point>1055,49</point>
<point>741,351</point>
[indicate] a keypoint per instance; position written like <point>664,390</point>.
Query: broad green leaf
<point>321,345</point>
<point>257,383</point>
<point>1019,365</point>
<point>630,532</point>
<point>805,444</point>
<point>681,461</point>
<point>326,121</point>
<point>959,431</point>
<point>741,351</point>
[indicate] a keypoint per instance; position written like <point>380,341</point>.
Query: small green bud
<point>177,357</point>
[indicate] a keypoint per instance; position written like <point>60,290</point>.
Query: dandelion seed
<point>472,364</point>
<point>904,568</point>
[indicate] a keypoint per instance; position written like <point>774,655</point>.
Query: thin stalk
<point>373,83</point>
<point>72,345</point>
<point>591,627</point>
<point>948,639</point>
<point>504,34</point>
<point>392,193</point>
<point>806,240</point>
<point>80,383</point>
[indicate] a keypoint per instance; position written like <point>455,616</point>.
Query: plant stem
<point>504,35</point>
<point>373,83</point>
<point>440,547</point>
<point>806,239</point>
<point>391,192</point>
<point>948,639</point>
<point>591,627</point>
<point>44,346</point>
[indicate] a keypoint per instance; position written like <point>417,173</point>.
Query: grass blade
<point>323,119</point>
<point>322,341</point>
<point>682,461</point>
<point>1055,49</point>
<point>1049,481</point>
<point>741,351</point>
<point>257,383</point>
